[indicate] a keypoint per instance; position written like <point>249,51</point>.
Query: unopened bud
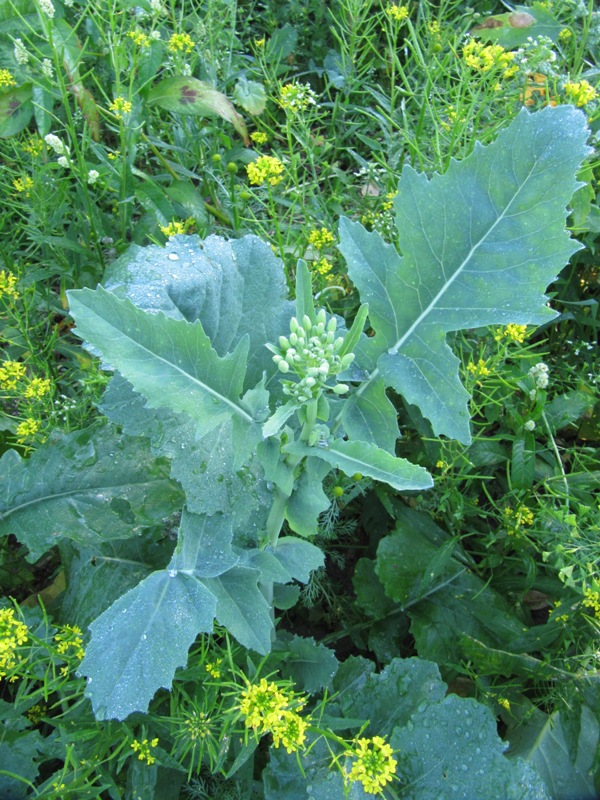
<point>332,325</point>
<point>283,366</point>
<point>294,325</point>
<point>284,343</point>
<point>340,388</point>
<point>321,317</point>
<point>306,323</point>
<point>347,360</point>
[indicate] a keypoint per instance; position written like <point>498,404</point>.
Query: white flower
<point>529,425</point>
<point>186,70</point>
<point>20,52</point>
<point>93,176</point>
<point>539,373</point>
<point>157,7</point>
<point>155,35</point>
<point>47,69</point>
<point>56,144</point>
<point>47,7</point>
<point>63,161</point>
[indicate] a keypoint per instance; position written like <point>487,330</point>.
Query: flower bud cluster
<point>311,352</point>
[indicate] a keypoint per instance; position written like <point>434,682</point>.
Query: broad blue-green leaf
<point>308,500</point>
<point>204,548</point>
<point>300,558</point>
<point>454,744</point>
<point>479,246</point>
<point>235,288</point>
<point>204,467</point>
<point>369,460</point>
<point>543,740</point>
<point>370,416</point>
<point>19,759</point>
<point>97,575</point>
<point>171,362</point>
<point>310,665</point>
<point>242,608</point>
<point>138,643</point>
<point>88,486</point>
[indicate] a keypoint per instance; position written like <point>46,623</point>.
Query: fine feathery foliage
<point>185,327</point>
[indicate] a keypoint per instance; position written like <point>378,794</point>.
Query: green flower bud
<point>332,325</point>
<point>340,388</point>
<point>321,317</point>
<point>283,366</point>
<point>294,325</point>
<point>347,360</point>
<point>284,343</point>
<point>306,323</point>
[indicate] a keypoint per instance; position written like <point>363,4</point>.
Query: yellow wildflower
<point>23,185</point>
<point>33,146</point>
<point>516,333</point>
<point>269,708</point>
<point>143,750</point>
<point>565,35</point>
<point>266,169</point>
<point>591,599</point>
<point>6,79</point>
<point>373,764</point>
<point>397,13</point>
<point>323,266</point>
<point>181,43</point>
<point>173,228</point>
<point>259,42</point>
<point>259,137</point>
<point>120,106</point>
<point>140,39</point>
<point>7,285</point>
<point>434,27</point>
<point>479,370</point>
<point>580,92</point>
<point>502,701</point>
<point>27,429</point>
<point>13,634</point>
<point>214,668</point>
<point>38,387</point>
<point>70,638</point>
<point>10,373</point>
<point>296,97</point>
<point>517,518</point>
<point>320,238</point>
<point>484,58</point>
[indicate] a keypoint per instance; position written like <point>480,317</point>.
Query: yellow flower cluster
<point>266,169</point>
<point>7,285</point>
<point>516,333</point>
<point>181,43</point>
<point>214,668</point>
<point>591,599</point>
<point>197,725</point>
<point>296,97</point>
<point>12,634</point>
<point>580,92</point>
<point>10,373</point>
<point>323,266</point>
<point>23,185</point>
<point>27,429</point>
<point>70,638</point>
<point>397,13</point>
<point>173,228</point>
<point>271,709</point>
<point>143,750</point>
<point>37,388</point>
<point>373,764</point>
<point>320,238</point>
<point>478,370</point>
<point>33,146</point>
<point>484,58</point>
<point>139,38</point>
<point>120,106</point>
<point>259,137</point>
<point>517,518</point>
<point>6,79</point>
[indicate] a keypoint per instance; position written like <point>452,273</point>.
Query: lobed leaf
<point>479,245</point>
